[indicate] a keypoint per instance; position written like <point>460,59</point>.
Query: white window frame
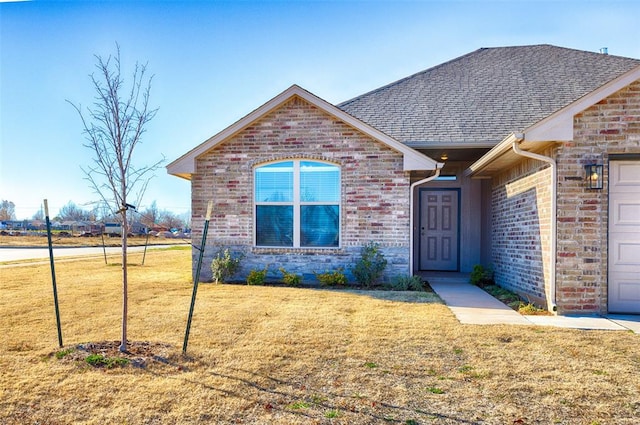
<point>297,203</point>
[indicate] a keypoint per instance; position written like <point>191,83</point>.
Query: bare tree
<point>7,210</point>
<point>113,128</point>
<point>38,215</point>
<point>186,219</point>
<point>170,220</point>
<point>72,212</point>
<point>151,215</point>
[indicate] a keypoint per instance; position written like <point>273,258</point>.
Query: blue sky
<point>214,62</point>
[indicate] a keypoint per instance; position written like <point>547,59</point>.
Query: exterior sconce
<point>593,173</point>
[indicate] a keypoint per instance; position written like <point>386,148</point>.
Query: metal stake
<point>104,249</point>
<point>146,244</point>
<point>53,272</point>
<point>197,278</point>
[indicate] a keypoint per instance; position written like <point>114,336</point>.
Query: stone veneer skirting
<point>303,262</point>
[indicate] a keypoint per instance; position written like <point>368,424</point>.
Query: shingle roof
<point>485,95</point>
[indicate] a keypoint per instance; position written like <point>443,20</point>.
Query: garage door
<point>624,237</point>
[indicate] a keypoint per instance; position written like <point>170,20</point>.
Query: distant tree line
<point>150,217</point>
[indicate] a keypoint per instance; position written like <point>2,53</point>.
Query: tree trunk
<point>125,230</point>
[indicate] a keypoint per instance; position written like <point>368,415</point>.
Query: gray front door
<point>439,229</point>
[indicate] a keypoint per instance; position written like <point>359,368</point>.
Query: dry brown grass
<point>262,355</point>
<point>31,241</point>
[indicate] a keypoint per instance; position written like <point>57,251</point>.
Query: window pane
<point>319,225</point>
<point>274,225</point>
<point>319,182</point>
<point>274,182</point>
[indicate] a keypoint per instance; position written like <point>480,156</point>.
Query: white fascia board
<point>413,160</point>
<point>420,162</point>
<point>449,145</point>
<point>185,165</point>
<point>497,151</point>
<point>558,127</point>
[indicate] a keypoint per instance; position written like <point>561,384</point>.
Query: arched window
<point>297,204</point>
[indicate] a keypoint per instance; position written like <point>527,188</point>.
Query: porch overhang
<point>502,156</point>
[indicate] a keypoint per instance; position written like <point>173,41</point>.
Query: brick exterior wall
<point>375,192</point>
<point>612,126</point>
<point>520,220</point>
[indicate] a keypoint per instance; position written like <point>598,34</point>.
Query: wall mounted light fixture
<point>593,175</point>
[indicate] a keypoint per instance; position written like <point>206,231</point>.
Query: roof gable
<point>482,97</point>
<point>185,165</point>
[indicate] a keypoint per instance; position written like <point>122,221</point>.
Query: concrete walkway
<point>472,305</point>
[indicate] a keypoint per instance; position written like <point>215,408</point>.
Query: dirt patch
<point>139,354</point>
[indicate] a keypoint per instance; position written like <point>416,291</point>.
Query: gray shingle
<point>487,94</point>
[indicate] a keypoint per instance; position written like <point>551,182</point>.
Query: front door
<point>624,237</point>
<point>439,229</point>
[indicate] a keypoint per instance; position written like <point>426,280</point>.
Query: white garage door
<point>624,237</point>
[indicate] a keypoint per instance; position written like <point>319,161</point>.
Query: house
<point>113,226</point>
<point>525,159</point>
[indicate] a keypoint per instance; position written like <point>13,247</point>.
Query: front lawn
<point>264,355</point>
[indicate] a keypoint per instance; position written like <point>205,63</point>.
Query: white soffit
<point>413,160</point>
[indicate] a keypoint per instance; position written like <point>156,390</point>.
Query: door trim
<point>458,224</point>
<point>616,275</point>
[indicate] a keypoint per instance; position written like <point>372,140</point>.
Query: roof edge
<point>393,83</point>
<point>496,152</point>
<point>557,127</point>
<point>184,166</point>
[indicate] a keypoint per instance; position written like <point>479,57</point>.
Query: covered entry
<point>624,237</point>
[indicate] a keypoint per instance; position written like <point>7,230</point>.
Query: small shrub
<point>530,309</point>
<point>95,359</point>
<point>335,278</point>
<point>481,276</point>
<point>257,277</point>
<point>224,266</point>
<point>290,279</point>
<point>370,266</point>
<point>98,360</point>
<point>60,354</point>
<point>407,283</point>
<point>503,295</point>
